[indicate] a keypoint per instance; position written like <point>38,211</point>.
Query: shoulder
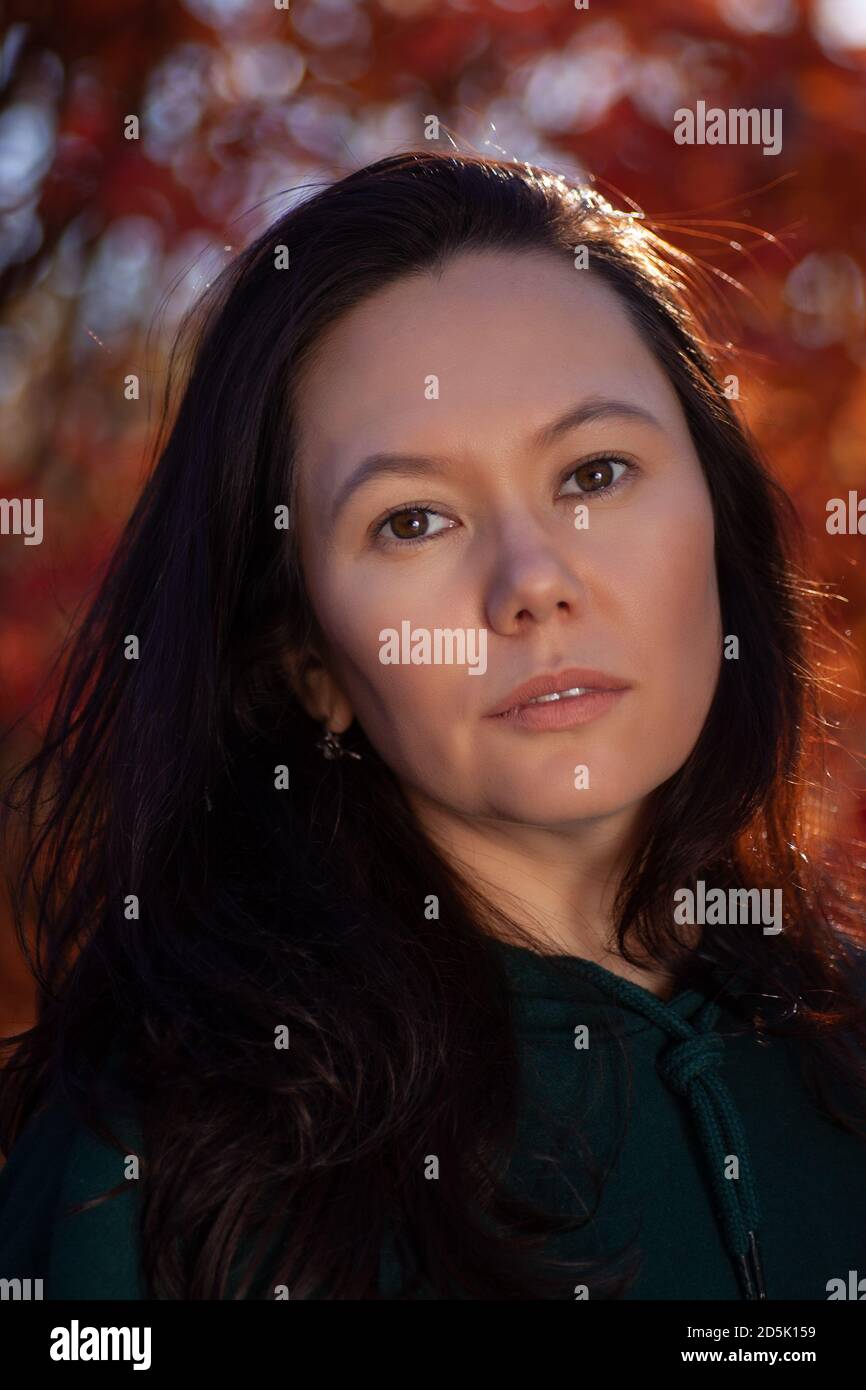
<point>58,1163</point>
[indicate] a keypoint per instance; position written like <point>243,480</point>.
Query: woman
<point>426,779</point>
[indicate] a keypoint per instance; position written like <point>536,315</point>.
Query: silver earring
<point>332,747</point>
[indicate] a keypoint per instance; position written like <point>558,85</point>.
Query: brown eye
<point>595,475</point>
<point>600,475</point>
<point>409,524</point>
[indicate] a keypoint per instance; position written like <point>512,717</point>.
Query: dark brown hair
<point>260,907</point>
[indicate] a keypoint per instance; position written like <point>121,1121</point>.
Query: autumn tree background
<point>109,228</point>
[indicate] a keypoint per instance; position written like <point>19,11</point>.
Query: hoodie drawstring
<point>689,1067</point>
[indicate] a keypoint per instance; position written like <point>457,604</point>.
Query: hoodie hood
<point>545,990</point>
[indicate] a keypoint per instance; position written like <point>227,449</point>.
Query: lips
<point>547,684</point>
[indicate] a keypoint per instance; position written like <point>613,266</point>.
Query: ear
<point>318,691</point>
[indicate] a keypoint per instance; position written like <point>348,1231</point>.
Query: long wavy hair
<point>178,904</point>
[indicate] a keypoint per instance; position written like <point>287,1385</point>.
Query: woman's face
<point>588,546</point>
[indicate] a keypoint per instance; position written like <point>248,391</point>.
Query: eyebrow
<point>429,466</point>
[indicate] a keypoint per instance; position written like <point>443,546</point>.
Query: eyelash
<point>393,543</point>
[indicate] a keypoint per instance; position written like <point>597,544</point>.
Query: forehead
<point>503,336</point>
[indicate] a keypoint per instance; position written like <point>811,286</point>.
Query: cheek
<point>670,574</point>
<point>394,702</point>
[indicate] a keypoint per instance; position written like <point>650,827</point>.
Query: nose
<point>533,578</point>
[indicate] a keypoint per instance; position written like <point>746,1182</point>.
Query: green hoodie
<point>720,1171</point>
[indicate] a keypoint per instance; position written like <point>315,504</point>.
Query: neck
<point>557,884</point>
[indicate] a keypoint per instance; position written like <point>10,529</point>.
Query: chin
<point>540,803</point>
